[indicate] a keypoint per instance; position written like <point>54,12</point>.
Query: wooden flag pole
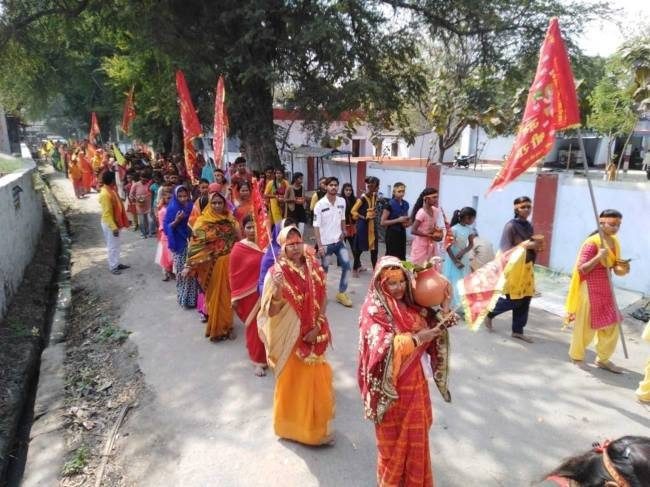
<point>600,231</point>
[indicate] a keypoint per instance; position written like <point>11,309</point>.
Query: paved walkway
<point>517,409</point>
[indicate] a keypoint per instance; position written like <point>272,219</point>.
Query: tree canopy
<point>69,58</point>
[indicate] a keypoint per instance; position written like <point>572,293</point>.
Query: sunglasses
<point>525,207</point>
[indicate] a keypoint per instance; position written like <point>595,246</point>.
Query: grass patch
<point>19,330</point>
<point>9,165</point>
<point>77,463</point>
<point>112,333</point>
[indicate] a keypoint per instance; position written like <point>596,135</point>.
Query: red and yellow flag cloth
<point>480,290</point>
<point>129,112</point>
<point>94,128</point>
<point>190,121</point>
<point>552,105</point>
<point>220,123</point>
<point>260,216</point>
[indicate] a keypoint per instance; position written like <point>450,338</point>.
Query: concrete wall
<point>20,229</point>
<point>573,221</point>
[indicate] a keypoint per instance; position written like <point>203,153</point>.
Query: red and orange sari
<point>243,294</point>
<point>392,381</point>
<point>303,403</point>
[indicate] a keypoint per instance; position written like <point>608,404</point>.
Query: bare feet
<point>329,440</point>
<point>522,337</point>
<point>260,371</point>
<point>488,323</point>
<point>355,272</point>
<point>608,365</point>
<point>231,334</point>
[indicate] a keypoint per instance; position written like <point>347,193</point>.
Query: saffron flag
<point>190,122</point>
<point>94,128</point>
<point>119,157</point>
<point>480,290</point>
<point>129,112</point>
<point>260,216</point>
<point>220,123</point>
<point>552,105</point>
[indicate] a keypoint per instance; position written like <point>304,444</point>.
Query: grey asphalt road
<point>206,420</point>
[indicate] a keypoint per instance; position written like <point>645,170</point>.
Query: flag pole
<point>600,231</point>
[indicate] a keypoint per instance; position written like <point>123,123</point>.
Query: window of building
<point>394,149</point>
<point>356,147</point>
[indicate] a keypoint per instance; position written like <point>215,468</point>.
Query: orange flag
<point>129,112</point>
<point>190,121</point>
<point>220,123</point>
<point>260,216</point>
<point>552,105</point>
<point>94,128</point>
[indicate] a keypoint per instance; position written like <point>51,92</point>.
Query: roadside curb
<point>46,452</point>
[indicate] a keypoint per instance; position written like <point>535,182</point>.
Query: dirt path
<point>206,420</point>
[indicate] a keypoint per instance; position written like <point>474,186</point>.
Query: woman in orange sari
<point>213,236</point>
<point>295,332</point>
<point>395,334</point>
<point>243,287</point>
<point>87,173</point>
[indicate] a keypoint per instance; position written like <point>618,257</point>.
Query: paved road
<point>517,409</point>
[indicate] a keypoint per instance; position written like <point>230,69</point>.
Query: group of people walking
<point>279,292</point>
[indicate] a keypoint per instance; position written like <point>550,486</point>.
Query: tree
<point>335,56</point>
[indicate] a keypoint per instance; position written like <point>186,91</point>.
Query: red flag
<point>480,290</point>
<point>94,128</point>
<point>552,105</point>
<point>260,217</point>
<point>129,112</point>
<point>190,122</point>
<point>220,122</point>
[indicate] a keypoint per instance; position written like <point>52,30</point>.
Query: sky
<point>604,37</point>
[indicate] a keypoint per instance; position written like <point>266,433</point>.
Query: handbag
<point>350,230</point>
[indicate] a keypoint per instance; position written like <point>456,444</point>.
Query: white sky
<point>604,37</point>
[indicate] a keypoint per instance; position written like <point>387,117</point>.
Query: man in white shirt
<point>329,230</point>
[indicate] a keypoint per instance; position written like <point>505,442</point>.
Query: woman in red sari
<point>395,334</point>
<point>243,291</point>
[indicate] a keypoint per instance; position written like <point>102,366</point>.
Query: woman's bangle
<point>416,340</point>
<point>276,300</point>
<point>321,338</point>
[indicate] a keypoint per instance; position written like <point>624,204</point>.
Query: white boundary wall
<point>573,221</point>
<point>20,229</point>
